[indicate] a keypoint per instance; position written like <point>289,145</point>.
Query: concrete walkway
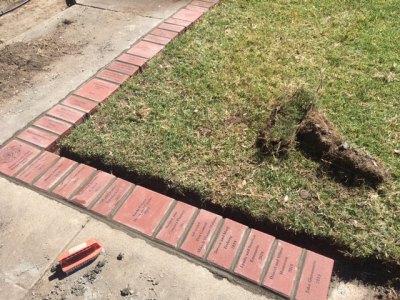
<point>35,229</point>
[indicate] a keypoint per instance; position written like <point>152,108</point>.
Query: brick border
<point>229,246</point>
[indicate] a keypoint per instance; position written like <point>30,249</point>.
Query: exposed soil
<point>318,139</point>
<point>279,133</point>
<point>21,61</point>
<point>26,16</point>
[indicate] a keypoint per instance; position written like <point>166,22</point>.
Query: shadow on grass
<point>369,270</point>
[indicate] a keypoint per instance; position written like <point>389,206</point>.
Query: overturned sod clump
<point>296,122</point>
<point>279,134</point>
<point>318,138</point>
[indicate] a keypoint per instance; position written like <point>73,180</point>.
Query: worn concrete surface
<point>151,8</point>
<point>100,34</point>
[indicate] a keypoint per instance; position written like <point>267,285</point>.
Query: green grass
<point>193,116</point>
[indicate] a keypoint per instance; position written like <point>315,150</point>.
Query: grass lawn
<point>193,116</point>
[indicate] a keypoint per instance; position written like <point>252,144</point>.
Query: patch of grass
<point>193,116</point>
<point>279,133</point>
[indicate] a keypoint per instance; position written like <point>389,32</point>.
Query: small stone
<point>304,194</point>
<point>120,256</point>
<point>54,268</point>
<point>126,292</point>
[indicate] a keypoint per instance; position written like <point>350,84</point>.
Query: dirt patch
<point>278,135</point>
<point>318,138</point>
<point>21,61</point>
<point>5,4</point>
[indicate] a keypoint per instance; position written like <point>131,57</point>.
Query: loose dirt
<point>26,16</point>
<point>21,61</point>
<point>318,138</point>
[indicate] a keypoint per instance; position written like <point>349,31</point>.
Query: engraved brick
<point>121,67</point>
<point>112,76</point>
<point>156,39</point>
<point>315,278</point>
<point>178,22</point>
<point>56,126</point>
<point>37,167</point>
<point>39,137</point>
<point>66,113</point>
<point>176,223</point>
<point>15,155</point>
<point>164,33</point>
<point>202,3</point>
<point>145,49</point>
<point>143,210</point>
<point>112,197</point>
<point>254,255</point>
<point>171,27</point>
<point>54,174</point>
<point>196,8</point>
<point>133,60</point>
<point>283,269</point>
<point>92,189</point>
<point>80,103</point>
<point>201,233</point>
<point>97,90</point>
<point>69,184</point>
<point>188,15</point>
<point>226,244</point>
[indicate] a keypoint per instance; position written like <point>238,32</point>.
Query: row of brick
<point>48,129</point>
<point>254,255</point>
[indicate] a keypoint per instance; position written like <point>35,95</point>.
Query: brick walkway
<point>233,247</point>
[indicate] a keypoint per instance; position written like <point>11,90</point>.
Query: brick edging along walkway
<point>233,247</point>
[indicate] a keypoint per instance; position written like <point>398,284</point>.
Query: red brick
<point>157,39</point>
<point>283,269</point>
<point>176,223</point>
<point>15,155</point>
<point>39,137</point>
<point>145,49</point>
<point>164,33</point>
<point>97,90</point>
<point>171,27</point>
<point>121,67</point>
<point>227,243</point>
<point>112,76</point>
<point>37,167</point>
<point>133,60</point>
<point>315,278</point>
<point>143,210</point>
<point>187,15</point>
<point>72,182</point>
<point>56,126</point>
<point>93,189</point>
<point>203,3</point>
<point>178,22</point>
<point>254,255</point>
<point>211,1</point>
<point>67,114</point>
<point>80,103</point>
<point>201,233</point>
<point>197,8</point>
<point>54,174</point>
<point>112,197</point>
